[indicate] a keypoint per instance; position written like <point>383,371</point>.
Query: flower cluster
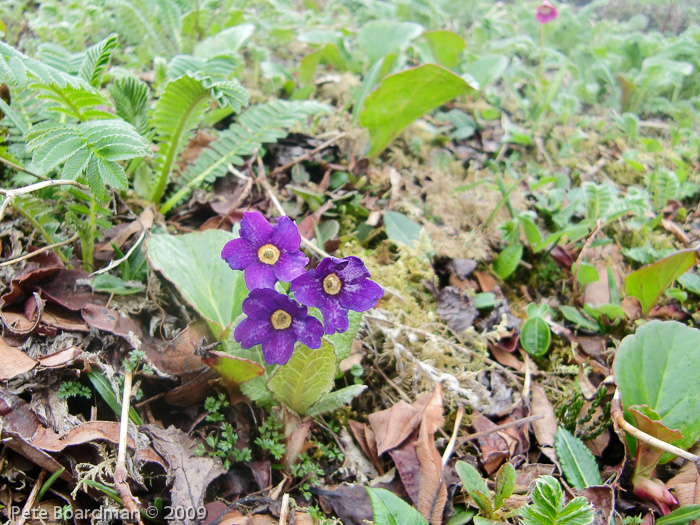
<point>269,253</point>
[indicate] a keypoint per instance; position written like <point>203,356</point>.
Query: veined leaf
<point>306,378</point>
<point>389,509</point>
<point>335,400</point>
<point>576,460</point>
<point>400,229</point>
<point>97,59</point>
<point>131,101</point>
<point>547,507</point>
<point>680,516</point>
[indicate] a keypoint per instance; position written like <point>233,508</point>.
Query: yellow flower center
<point>281,320</point>
<point>332,284</point>
<point>268,254</point>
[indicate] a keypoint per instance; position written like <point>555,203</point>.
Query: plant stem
<point>88,240</point>
<point>539,69</point>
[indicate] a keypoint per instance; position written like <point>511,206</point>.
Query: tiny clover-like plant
<point>490,504</point>
<point>549,506</point>
<point>656,374</point>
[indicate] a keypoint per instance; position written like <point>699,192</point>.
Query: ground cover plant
<point>349,261</point>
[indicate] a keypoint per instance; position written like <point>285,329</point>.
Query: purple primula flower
<point>336,286</point>
<point>545,12</point>
<point>264,252</point>
<point>276,322</point>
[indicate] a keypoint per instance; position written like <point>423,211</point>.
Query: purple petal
<point>238,254</point>
<point>278,347</point>
<point>308,290</point>
<point>325,267</point>
<point>360,296</point>
<point>291,307</point>
<point>309,331</point>
<point>335,317</point>
<point>290,265</point>
<point>255,229</point>
<point>250,332</point>
<point>259,275</point>
<point>285,235</point>
<point>354,270</point>
<point>260,304</point>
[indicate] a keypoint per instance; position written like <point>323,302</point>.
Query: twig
<point>22,168</point>
<point>38,252</point>
<point>619,420</point>
<point>262,178</point>
<point>449,449</point>
<point>26,510</point>
<point>284,509</point>
<point>10,195</point>
<point>308,155</point>
<point>579,259</point>
<point>528,378</point>
<point>113,264</point>
<point>498,428</point>
<point>120,474</point>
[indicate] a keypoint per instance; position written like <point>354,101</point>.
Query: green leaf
<point>484,300</point>
<point>112,284</point>
<point>104,388</point>
<point>571,313</point>
<point>657,366</point>
<point>307,377</point>
<point>577,462</point>
<point>97,59</point>
<point>535,336</point>
<point>254,389</point>
<point>505,484</point>
<point>691,282</point>
<point>193,263</point>
<point>599,199</point>
<point>400,229</point>
<point>587,274</point>
<point>487,69</point>
<point>649,282</point>
<point>508,260</point>
<point>389,509</point>
<point>230,40</point>
<point>471,479</point>
<point>547,507</point>
<point>335,400</point>
<point>342,342</point>
<point>680,516</point>
<point>383,37</point>
<point>404,97</point>
<point>532,233</point>
<point>233,370</point>
<point>442,46</point>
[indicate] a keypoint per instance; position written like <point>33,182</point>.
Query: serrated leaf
<point>682,515</point>
<point>233,370</point>
<point>193,263</point>
<point>97,59</point>
<point>657,366</point>
<point>547,507</point>
<point>389,509</point>
<point>335,400</point>
<point>402,98</point>
<point>307,377</point>
<point>400,229</point>
<point>577,462</point>
<point>254,389</point>
<point>342,342</point>
<point>535,336</point>
<point>649,282</point>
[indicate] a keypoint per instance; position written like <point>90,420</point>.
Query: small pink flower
<point>545,12</point>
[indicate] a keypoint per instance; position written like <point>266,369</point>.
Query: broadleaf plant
<point>549,506</point>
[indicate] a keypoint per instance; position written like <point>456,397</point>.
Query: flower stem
<point>539,69</point>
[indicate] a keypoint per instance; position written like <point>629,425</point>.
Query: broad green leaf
<point>691,282</point>
<point>104,388</point>
<point>254,389</point>
<point>532,233</point>
<point>484,300</point>
<point>404,97</point>
<point>342,342</point>
<point>658,366</point>
<point>383,37</point>
<point>649,282</point>
<point>571,313</point>
<point>234,370</point>
<point>508,260</point>
<point>112,284</point>
<point>307,377</point>
<point>535,336</point>
<point>471,479</point>
<point>587,274</point>
<point>389,509</point>
<point>193,263</point>
<point>442,46</point>
<point>505,484</point>
<point>487,69</point>
<point>335,400</point>
<point>401,229</point>
<point>461,516</point>
<point>577,462</point>
<point>680,516</point>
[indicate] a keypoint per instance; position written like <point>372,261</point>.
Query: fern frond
<point>60,58</point>
<point>178,111</point>
<point>79,103</point>
<point>97,59</point>
<point>131,101</point>
<point>95,146</point>
<point>220,67</point>
<point>17,69</point>
<point>141,23</point>
<point>261,124</point>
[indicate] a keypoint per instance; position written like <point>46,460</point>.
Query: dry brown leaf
<point>13,362</point>
<point>544,428</point>
<point>432,494</point>
<point>494,448</point>
<point>393,425</point>
<point>507,358</point>
<point>686,486</point>
<point>179,357</point>
<point>60,358</point>
<point>365,438</point>
<point>110,321</point>
<point>602,498</point>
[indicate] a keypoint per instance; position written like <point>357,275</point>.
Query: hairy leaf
<point>335,400</point>
<point>547,507</point>
<point>577,462</point>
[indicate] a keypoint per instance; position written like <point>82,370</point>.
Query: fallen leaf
<point>60,358</point>
<point>393,425</point>
<point>407,465</point>
<point>178,356</point>
<point>13,362</point>
<point>365,438</point>
<point>494,448</point>
<point>546,427</point>
<point>456,309</point>
<point>686,485</point>
<point>111,321</point>
<point>70,289</point>
<point>602,498</point>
